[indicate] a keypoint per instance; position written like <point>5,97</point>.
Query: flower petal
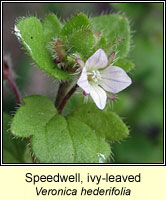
<point>97,61</point>
<point>99,96</point>
<point>114,79</point>
<point>83,81</point>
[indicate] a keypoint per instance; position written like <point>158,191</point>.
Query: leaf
<point>31,117</point>
<point>51,26</point>
<point>116,29</point>
<point>86,143</point>
<point>53,143</point>
<point>55,139</point>
<point>103,123</point>
<point>13,148</point>
<point>125,64</point>
<point>68,141</point>
<point>34,39</point>
<point>77,23</point>
<point>102,44</point>
<point>103,150</point>
<point>82,42</point>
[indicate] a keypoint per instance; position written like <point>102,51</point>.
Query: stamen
<point>90,78</point>
<point>94,76</point>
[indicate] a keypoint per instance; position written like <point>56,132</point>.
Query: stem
<point>66,98</point>
<point>8,75</point>
<point>15,89</point>
<point>61,93</point>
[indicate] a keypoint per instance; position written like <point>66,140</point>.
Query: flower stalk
<point>66,98</point>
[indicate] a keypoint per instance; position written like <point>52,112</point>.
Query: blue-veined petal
<point>114,79</point>
<point>83,81</point>
<point>98,60</point>
<point>98,95</point>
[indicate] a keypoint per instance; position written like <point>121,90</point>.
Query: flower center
<point>94,76</point>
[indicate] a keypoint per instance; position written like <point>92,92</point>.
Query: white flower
<point>97,77</point>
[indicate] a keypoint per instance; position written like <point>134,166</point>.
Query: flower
<point>97,78</point>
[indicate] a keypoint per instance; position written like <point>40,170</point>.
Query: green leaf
<point>88,147</point>
<point>34,39</point>
<point>103,123</point>
<point>77,23</point>
<point>82,42</point>
<point>53,143</point>
<point>102,44</point>
<point>31,117</point>
<point>104,149</point>
<point>116,29</point>
<point>125,64</point>
<point>55,139</point>
<point>13,148</point>
<point>51,26</point>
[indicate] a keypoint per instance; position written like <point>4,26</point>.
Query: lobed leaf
<point>103,123</point>
<point>53,143</point>
<point>13,148</point>
<point>31,117</point>
<point>102,44</point>
<point>77,23</point>
<point>86,144</point>
<point>82,42</point>
<point>55,139</point>
<point>52,27</point>
<point>116,29</point>
<point>35,39</point>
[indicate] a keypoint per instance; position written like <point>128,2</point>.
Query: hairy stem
<point>61,93</point>
<point>15,89</point>
<point>66,98</point>
<point>8,75</point>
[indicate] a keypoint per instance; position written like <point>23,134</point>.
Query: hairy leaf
<point>35,39</point>
<point>13,148</point>
<point>53,143</point>
<point>51,26</point>
<point>82,42</point>
<point>55,139</point>
<point>116,30</point>
<point>78,22</point>
<point>105,124</point>
<point>31,117</point>
<point>86,144</point>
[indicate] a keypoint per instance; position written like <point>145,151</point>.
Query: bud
<point>84,93</point>
<point>111,97</point>
<point>98,35</point>
<point>56,61</point>
<point>111,58</point>
<point>60,50</point>
<point>80,62</point>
